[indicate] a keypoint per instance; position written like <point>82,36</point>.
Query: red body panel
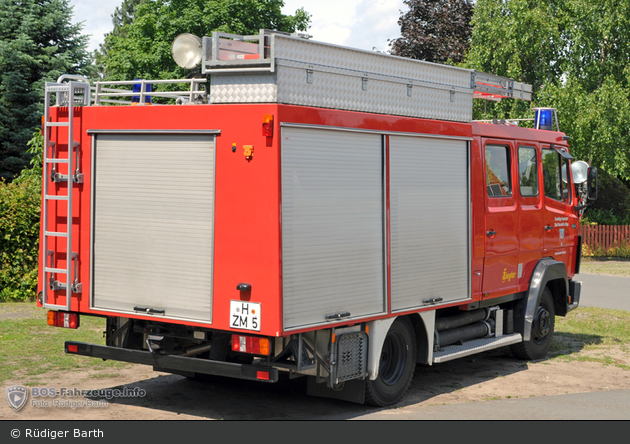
<point>247,227</point>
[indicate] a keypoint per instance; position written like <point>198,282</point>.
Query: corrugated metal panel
<point>332,225</point>
<point>429,218</point>
<point>153,223</point>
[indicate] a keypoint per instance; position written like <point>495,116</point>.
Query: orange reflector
<point>264,346</point>
<point>248,151</point>
<point>267,129</point>
<point>73,348</point>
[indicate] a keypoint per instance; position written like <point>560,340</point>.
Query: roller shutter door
<point>153,204</point>
<point>332,225</point>
<point>429,217</point>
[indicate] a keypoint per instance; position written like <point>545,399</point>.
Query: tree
<point>38,43</point>
<point>519,39</point>
<point>434,30</point>
<point>599,43</point>
<point>123,15</point>
<point>576,55</point>
<point>612,206</point>
<point>142,48</point>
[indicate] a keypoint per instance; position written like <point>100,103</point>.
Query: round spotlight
<point>580,171</point>
<point>187,50</point>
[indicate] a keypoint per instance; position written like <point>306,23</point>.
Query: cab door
<point>531,217</point>
<point>502,221</point>
<point>560,221</point>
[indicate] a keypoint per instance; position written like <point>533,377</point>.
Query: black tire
<point>542,331</point>
<point>397,365</point>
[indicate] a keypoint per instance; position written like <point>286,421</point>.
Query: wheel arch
<point>551,274</point>
<point>424,326</point>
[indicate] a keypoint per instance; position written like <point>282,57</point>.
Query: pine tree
<point>434,30</point>
<point>38,43</point>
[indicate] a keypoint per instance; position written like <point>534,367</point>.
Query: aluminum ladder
<point>68,94</point>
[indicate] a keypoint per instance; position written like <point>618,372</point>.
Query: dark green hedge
<point>20,203</point>
<point>612,206</point>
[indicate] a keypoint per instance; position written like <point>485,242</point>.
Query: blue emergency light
<point>137,87</point>
<point>544,118</point>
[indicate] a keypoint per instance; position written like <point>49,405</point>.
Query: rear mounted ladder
<point>67,94</point>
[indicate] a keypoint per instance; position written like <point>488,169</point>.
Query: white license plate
<point>245,315</point>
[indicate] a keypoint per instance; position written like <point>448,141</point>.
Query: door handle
<point>548,227</point>
<point>491,233</point>
<point>432,300</point>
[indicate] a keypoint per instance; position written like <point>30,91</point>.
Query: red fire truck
<point>306,208</point>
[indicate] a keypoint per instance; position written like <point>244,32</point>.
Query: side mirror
<point>591,183</point>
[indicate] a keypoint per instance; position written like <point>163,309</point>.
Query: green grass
<point>31,348</point>
<point>596,326</point>
<point>606,268</point>
<point>591,334</point>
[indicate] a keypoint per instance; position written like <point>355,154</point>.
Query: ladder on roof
<point>67,94</point>
<point>493,87</point>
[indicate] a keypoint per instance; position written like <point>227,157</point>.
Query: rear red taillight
<point>73,348</point>
<point>63,319</point>
<point>251,344</point>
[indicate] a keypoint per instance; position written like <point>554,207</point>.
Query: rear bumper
<point>174,362</point>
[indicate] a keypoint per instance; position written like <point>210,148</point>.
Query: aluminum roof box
<point>276,67</point>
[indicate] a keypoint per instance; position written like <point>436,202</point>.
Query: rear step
<point>175,362</point>
<point>474,346</point>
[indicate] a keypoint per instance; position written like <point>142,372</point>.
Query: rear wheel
<point>396,367</point>
<point>542,331</point>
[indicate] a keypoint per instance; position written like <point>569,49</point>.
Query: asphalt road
<point>604,291</point>
<point>595,406</point>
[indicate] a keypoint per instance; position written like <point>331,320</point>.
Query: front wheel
<point>396,367</point>
<point>542,331</point>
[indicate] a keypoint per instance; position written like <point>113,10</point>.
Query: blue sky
<point>363,24</point>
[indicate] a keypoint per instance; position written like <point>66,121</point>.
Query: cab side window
<point>555,176</point>
<point>528,171</point>
<point>498,180</point>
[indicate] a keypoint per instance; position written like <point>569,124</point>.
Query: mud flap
<point>351,391</point>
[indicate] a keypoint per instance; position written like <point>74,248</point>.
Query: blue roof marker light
<point>544,118</point>
<point>137,87</point>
